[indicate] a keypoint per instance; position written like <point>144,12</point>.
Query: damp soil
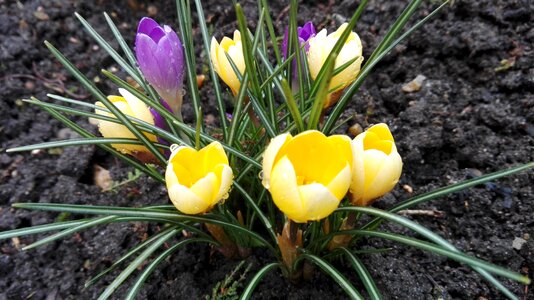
<point>474,114</point>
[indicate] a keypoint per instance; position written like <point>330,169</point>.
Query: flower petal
<point>187,201</point>
<point>318,202</point>
<point>270,154</point>
<point>284,189</point>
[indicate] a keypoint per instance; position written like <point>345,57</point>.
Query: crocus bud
<point>307,175</point>
<point>304,33</point>
<point>320,47</point>
<point>376,167</point>
<point>160,56</point>
<point>129,105</point>
<point>219,52</point>
<point>198,180</point>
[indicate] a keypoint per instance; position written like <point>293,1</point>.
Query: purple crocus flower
<point>304,33</point>
<point>160,56</point>
<point>159,121</point>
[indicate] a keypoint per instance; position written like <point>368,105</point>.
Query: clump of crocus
<point>160,56</point>
<point>234,49</point>
<point>129,105</point>
<point>376,166</point>
<point>304,33</point>
<point>320,47</point>
<point>307,175</point>
<point>198,180</point>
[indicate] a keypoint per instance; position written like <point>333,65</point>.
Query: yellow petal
<point>382,130</point>
<point>206,188</point>
<point>386,178</point>
<point>225,178</point>
<point>213,54</point>
<point>341,183</point>
<point>284,189</point>
<point>211,156</point>
<point>186,201</point>
<point>270,154</point>
<point>318,203</point>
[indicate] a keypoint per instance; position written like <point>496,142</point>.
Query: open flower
<point>320,47</point>
<point>129,105</point>
<point>307,175</point>
<point>219,52</point>
<point>377,165</point>
<point>160,56</point>
<point>197,180</point>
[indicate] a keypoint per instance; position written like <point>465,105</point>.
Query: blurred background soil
<point>472,114</point>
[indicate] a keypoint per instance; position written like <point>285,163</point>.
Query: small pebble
<point>407,188</point>
<point>29,85</point>
<point>40,14</point>
<point>518,243</point>
<point>355,129</point>
<point>414,85</point>
<point>152,10</point>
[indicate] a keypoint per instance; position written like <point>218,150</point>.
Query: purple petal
<point>145,50</point>
<point>284,42</point>
<point>159,121</point>
<point>146,25</point>
<point>307,31</point>
<point>156,34</point>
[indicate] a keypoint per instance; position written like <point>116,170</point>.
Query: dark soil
<point>466,119</point>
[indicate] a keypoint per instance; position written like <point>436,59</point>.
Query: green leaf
<point>213,75</point>
<point>128,254</point>
<point>455,255</point>
<point>292,106</point>
<point>247,293</point>
<point>429,235</point>
<point>343,282</point>
<point>135,264</point>
<point>71,230</point>
<point>140,212</point>
<point>322,93</point>
<point>364,275</point>
<point>40,228</point>
<point>152,266</point>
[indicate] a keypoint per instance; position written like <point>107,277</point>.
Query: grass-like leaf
<point>140,212</point>
<point>40,228</point>
<point>135,264</point>
<point>152,266</point>
<point>247,293</point>
<point>343,282</point>
<point>213,75</point>
<point>434,238</point>
<point>364,275</point>
<point>128,254</point>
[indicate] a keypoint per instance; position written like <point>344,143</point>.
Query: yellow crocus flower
<point>308,174</point>
<point>320,47</point>
<point>198,180</point>
<point>234,49</point>
<point>129,105</point>
<point>377,165</point>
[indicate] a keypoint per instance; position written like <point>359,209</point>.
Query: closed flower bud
<point>307,175</point>
<point>198,180</point>
<point>234,49</point>
<point>376,167</point>
<point>320,47</point>
<point>160,56</point>
<point>129,105</point>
